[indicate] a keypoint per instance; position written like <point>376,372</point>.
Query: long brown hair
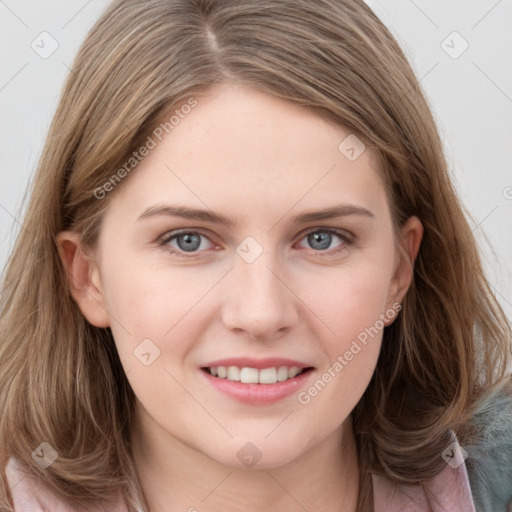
<point>61,381</point>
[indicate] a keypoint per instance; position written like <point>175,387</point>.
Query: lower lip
<point>258,394</point>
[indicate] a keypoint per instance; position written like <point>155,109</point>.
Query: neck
<point>324,478</point>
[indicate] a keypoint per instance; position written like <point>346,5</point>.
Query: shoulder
<point>481,483</point>
<point>448,490</point>
<point>30,495</point>
<point>489,461</point>
<point>27,493</point>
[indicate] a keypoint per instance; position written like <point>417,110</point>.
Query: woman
<point>248,366</point>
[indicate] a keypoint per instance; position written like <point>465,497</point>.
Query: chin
<point>263,454</point>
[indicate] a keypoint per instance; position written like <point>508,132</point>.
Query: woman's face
<point>303,273</point>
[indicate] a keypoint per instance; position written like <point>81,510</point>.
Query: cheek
<point>155,302</point>
<point>145,297</point>
<point>351,304</point>
<point>348,300</point>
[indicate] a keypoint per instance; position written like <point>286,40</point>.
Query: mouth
<point>257,382</point>
<point>250,375</point>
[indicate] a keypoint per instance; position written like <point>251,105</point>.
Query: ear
<point>83,278</point>
<point>412,234</point>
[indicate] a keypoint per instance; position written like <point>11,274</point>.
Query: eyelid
<point>170,235</point>
<point>347,238</point>
<point>343,233</point>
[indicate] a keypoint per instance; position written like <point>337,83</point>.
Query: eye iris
<point>192,242</point>
<point>323,237</point>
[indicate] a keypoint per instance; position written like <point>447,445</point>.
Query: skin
<point>259,161</point>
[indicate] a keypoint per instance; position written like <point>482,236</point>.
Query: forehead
<point>243,147</point>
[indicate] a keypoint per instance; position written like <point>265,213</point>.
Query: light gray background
<point>470,94</point>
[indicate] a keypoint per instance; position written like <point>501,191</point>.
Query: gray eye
<point>188,241</point>
<point>320,240</point>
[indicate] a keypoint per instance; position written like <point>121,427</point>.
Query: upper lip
<point>247,362</point>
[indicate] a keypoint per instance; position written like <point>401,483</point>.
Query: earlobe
<point>412,234</point>
<point>83,278</point>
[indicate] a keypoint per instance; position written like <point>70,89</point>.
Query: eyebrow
<point>173,210</point>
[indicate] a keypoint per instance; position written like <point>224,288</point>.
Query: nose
<point>259,300</point>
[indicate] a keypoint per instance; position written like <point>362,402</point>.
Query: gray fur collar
<point>489,462</point>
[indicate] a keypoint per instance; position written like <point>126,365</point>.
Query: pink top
<point>450,489</point>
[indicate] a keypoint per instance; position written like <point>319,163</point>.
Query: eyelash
<point>346,239</point>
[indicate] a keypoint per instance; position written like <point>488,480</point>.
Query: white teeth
<point>282,373</point>
<point>249,375</point>
<point>268,376</point>
<point>293,372</point>
<point>233,373</point>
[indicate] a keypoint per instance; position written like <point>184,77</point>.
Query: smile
<point>248,375</point>
<point>257,382</point>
